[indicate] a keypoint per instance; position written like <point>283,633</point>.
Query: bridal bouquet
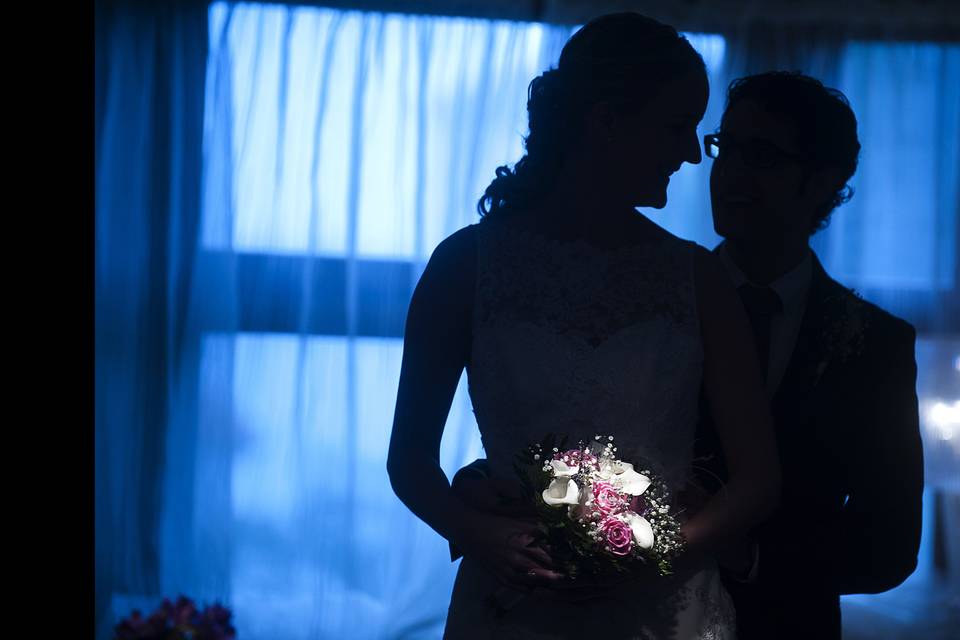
<point>598,514</point>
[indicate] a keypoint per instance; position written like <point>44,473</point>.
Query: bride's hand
<point>508,548</point>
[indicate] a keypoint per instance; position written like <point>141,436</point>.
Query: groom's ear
<point>822,183</point>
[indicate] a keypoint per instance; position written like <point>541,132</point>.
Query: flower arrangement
<point>598,514</point>
<point>180,620</point>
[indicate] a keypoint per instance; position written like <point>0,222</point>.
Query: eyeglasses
<point>757,154</point>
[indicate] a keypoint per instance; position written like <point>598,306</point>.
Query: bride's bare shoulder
<point>449,276</point>
<point>456,255</point>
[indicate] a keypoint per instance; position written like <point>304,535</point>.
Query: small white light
<point>944,418</point>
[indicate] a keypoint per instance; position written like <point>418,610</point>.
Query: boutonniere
<point>844,327</point>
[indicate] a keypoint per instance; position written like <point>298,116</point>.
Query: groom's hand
<point>495,496</point>
<point>490,497</point>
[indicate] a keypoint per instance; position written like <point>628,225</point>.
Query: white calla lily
<point>562,470</point>
<point>622,476</point>
<point>561,491</point>
<point>631,482</point>
<point>642,531</point>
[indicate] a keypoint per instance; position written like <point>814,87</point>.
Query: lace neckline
<point>578,245</point>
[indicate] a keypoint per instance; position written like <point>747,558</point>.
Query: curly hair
<point>826,126</point>
<point>623,58</point>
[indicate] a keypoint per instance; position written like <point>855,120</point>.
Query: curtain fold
<point>897,239</point>
<point>149,65</point>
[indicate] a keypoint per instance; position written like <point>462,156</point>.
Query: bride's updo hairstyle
<point>620,58</point>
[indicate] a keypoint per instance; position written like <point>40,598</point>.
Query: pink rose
<point>607,500</point>
<point>618,534</point>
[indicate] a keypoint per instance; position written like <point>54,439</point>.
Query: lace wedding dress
<point>572,339</point>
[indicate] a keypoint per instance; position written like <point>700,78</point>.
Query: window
<point>339,149</point>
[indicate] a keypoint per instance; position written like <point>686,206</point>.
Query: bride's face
<point>642,149</point>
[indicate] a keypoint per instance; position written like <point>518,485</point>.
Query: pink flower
<point>178,621</point>
<point>607,500</point>
<point>618,535</point>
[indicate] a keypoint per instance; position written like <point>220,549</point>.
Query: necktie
<point>761,303</point>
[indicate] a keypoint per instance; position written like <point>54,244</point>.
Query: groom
<point>839,371</point>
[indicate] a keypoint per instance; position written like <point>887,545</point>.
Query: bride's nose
<point>692,153</point>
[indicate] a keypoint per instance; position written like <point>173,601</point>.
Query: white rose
<point>642,531</point>
<point>561,491</point>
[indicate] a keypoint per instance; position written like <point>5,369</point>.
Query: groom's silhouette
<point>840,371</point>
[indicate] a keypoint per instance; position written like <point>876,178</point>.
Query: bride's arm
<point>436,348</point>
<point>435,351</point>
<point>732,384</point>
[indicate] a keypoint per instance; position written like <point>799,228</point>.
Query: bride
<point>575,314</point>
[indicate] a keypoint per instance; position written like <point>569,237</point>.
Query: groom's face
<point>756,183</point>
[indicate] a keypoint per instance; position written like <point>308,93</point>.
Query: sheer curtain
<point>270,183</point>
<point>149,78</point>
<point>897,239</point>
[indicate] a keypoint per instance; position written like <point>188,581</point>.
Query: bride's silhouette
<point>572,313</point>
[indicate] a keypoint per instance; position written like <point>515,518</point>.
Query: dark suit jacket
<point>849,443</point>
